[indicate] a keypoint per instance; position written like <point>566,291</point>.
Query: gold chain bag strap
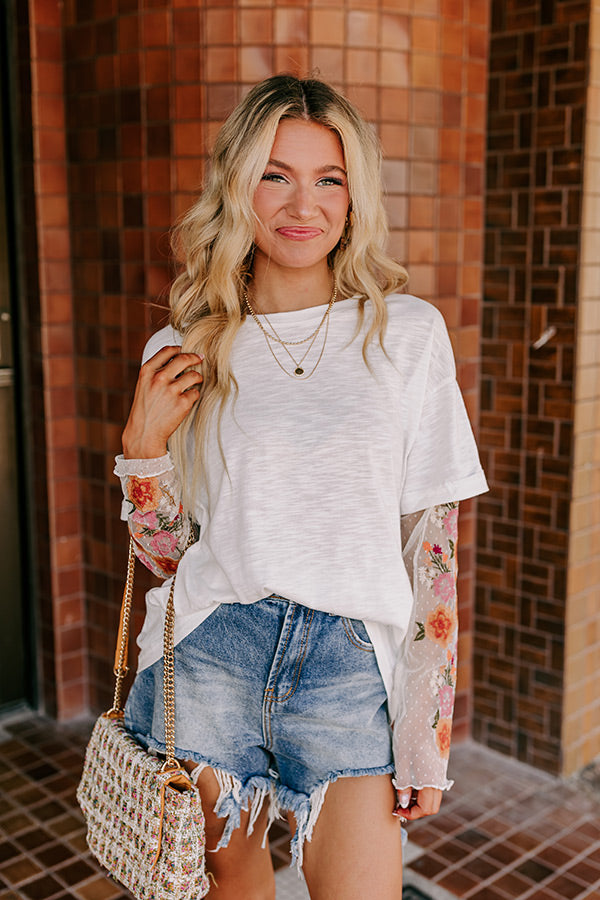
<point>144,816</point>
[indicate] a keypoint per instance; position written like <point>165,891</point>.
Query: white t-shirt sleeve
<point>443,463</point>
<point>166,337</point>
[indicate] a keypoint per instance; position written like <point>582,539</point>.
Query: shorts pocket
<point>357,634</point>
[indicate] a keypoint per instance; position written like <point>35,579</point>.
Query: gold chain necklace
<point>298,374</point>
<point>274,336</point>
<point>270,336</point>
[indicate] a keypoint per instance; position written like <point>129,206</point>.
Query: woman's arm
<point>153,510</point>
<point>427,672</point>
<point>167,388</point>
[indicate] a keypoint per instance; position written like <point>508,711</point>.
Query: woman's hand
<point>415,804</point>
<point>166,390</point>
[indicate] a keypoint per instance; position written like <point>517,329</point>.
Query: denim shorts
<point>280,700</point>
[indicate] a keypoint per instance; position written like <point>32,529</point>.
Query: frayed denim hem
<point>236,797</point>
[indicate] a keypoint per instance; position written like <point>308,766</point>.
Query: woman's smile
<point>297,233</point>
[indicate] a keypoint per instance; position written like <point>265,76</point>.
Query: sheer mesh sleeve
<point>426,675</point>
<point>152,508</point>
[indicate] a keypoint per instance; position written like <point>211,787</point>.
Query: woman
<point>303,419</point>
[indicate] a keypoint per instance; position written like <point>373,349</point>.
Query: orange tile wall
<point>55,451</point>
<point>147,86</point>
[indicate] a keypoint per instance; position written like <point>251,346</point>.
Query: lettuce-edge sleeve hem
<point>402,786</point>
<point>143,468</point>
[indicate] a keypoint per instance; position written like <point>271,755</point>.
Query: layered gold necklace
<point>271,336</point>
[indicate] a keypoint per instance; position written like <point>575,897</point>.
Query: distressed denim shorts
<point>280,700</point>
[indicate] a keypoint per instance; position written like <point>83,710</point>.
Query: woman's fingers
<point>162,356</point>
<point>170,361</point>
<point>168,366</point>
<point>188,380</point>
<point>415,804</point>
<point>166,390</point>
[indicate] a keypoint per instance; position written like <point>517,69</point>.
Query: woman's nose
<point>302,203</point>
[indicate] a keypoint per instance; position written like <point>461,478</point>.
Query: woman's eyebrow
<point>321,169</point>
<point>332,169</point>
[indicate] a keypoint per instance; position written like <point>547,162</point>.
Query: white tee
<point>319,471</point>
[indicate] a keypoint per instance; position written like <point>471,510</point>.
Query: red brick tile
<point>220,64</point>
<point>458,882</point>
<point>221,25</point>
<point>290,26</point>
<point>292,59</point>
<point>362,28</point>
<point>481,867</point>
<point>20,870</point>
<point>53,211</point>
<point>47,44</point>
<point>72,669</point>
<point>188,102</point>
<point>159,212</point>
<point>452,38</point>
<point>428,865</point>
<point>186,26</point>
<point>425,34</point>
<point>584,871</point>
<point>156,28</point>
<point>451,73</point>
<point>157,66</point>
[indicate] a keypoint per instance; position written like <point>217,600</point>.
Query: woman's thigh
<point>243,868</point>
<point>356,846</point>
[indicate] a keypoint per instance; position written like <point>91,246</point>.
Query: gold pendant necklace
<point>299,374</point>
<point>273,336</point>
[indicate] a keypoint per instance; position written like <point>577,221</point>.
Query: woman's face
<point>302,200</point>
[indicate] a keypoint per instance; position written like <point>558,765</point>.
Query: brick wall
<point>537,100</point>
<point>51,432</point>
<point>146,88</point>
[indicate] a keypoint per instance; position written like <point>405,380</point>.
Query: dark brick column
<point>537,96</point>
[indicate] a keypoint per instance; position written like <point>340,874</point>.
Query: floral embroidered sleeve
<point>426,674</point>
<point>152,507</point>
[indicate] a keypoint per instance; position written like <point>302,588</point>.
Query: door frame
<point>11,213</point>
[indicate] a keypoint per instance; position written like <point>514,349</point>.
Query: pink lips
<point>296,233</point>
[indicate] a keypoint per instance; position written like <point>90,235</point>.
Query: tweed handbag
<point>144,816</point>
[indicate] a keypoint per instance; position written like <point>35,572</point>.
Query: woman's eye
<point>273,176</point>
<point>328,181</point>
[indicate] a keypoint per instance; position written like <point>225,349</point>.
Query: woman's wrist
<point>144,453</point>
<point>143,448</point>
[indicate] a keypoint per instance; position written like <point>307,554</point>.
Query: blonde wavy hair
<point>214,241</point>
